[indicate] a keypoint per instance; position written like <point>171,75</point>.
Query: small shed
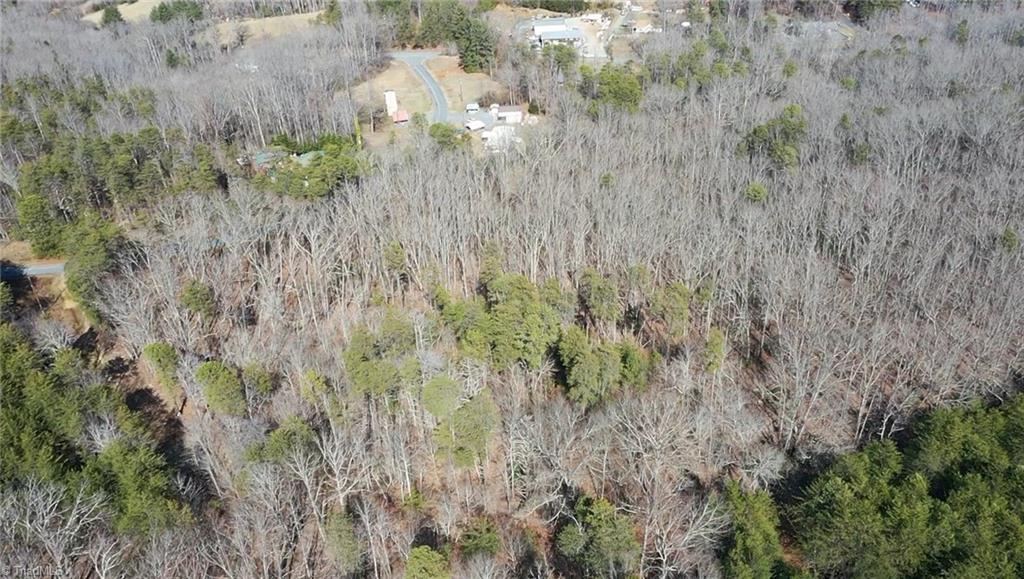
<point>512,115</point>
<point>390,102</point>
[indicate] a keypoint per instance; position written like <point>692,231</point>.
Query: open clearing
<point>134,12</point>
<point>412,95</point>
<point>15,252</point>
<point>621,50</point>
<point>50,299</point>
<point>263,28</point>
<point>460,87</point>
<point>504,18</point>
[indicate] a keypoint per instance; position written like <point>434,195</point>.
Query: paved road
<point>622,20</point>
<point>15,271</point>
<point>416,61</point>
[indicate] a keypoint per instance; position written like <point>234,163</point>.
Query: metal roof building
<point>572,36</point>
<point>549,25</point>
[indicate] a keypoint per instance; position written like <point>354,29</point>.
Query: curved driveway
<point>417,62</point>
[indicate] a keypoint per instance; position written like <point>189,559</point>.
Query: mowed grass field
<point>134,12</point>
<point>460,87</point>
<point>255,29</point>
<point>412,94</point>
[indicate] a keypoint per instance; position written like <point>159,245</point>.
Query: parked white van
<point>472,108</point>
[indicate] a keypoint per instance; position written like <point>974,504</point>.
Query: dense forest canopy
<point>745,303</point>
<point>947,504</point>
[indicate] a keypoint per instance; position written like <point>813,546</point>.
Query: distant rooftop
<point>306,159</point>
<point>570,34</point>
<point>550,22</point>
<point>265,158</point>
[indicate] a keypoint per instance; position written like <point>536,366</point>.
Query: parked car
<point>472,108</point>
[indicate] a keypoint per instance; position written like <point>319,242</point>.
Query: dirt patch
<point>48,297</point>
<point>164,423</point>
<point>16,251</point>
<point>142,377</point>
<point>65,308</point>
<point>460,87</point>
<point>643,19</point>
<point>387,135</point>
<point>255,29</point>
<point>621,50</point>
<point>137,11</point>
<point>412,94</point>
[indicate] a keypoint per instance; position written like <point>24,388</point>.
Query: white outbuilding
<point>390,103</point>
<point>512,115</point>
<point>547,25</point>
